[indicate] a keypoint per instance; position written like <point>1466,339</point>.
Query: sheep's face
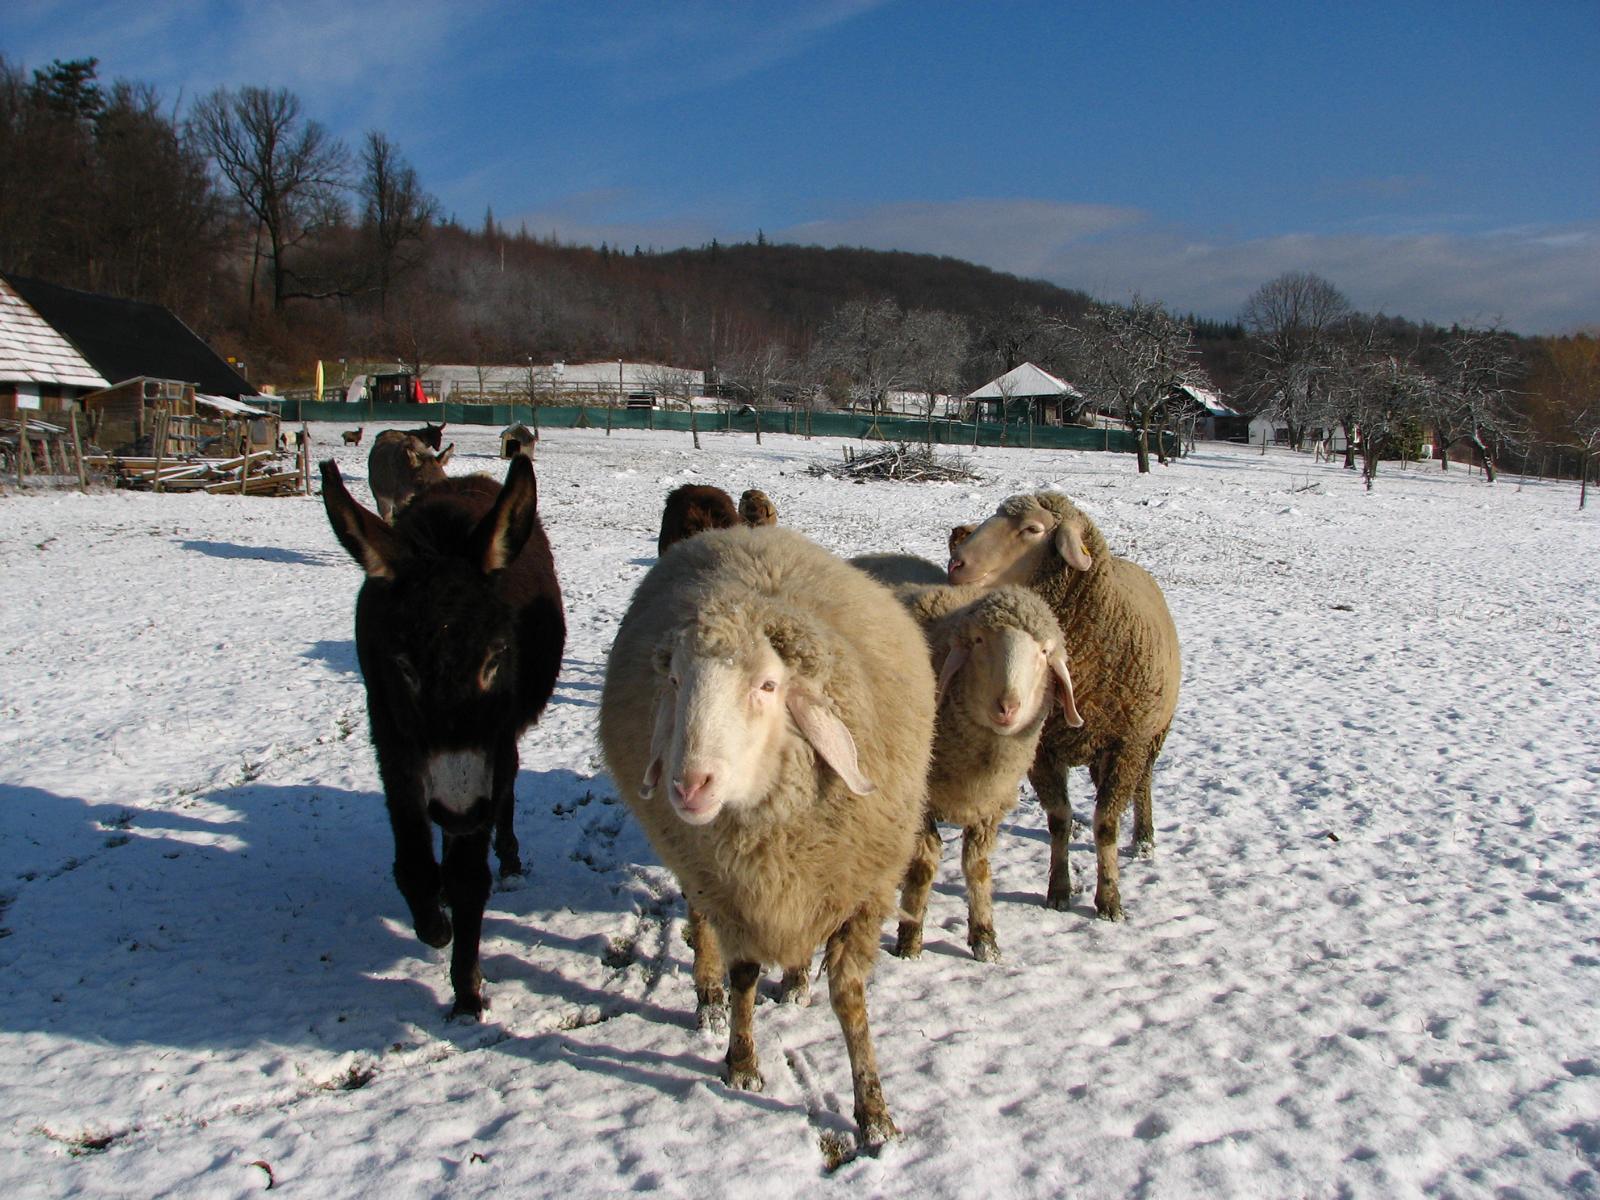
<point>721,721</point>
<point>998,678</point>
<point>1010,547</point>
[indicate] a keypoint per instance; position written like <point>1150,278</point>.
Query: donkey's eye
<point>491,667</point>
<point>408,674</point>
<point>673,680</point>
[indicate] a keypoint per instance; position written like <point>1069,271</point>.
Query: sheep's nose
<point>1005,710</point>
<point>692,786</point>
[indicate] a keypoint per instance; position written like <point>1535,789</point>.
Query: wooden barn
<point>41,372</point>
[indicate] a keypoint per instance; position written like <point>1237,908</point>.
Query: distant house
<point>129,339</point>
<point>1214,419</point>
<point>40,370</point>
<point>1053,401</point>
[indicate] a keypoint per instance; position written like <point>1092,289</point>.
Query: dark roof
<point>124,339</point>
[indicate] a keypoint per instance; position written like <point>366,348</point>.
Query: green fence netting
<point>790,421</point>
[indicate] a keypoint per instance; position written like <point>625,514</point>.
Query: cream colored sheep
<point>1123,647</point>
<point>768,712</point>
<point>998,655</point>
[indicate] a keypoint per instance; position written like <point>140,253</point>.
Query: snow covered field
<point>1365,961</point>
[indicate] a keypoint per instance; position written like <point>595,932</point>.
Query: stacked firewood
<point>900,461</point>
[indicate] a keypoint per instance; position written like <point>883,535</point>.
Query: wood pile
<point>260,473</point>
<point>903,462</point>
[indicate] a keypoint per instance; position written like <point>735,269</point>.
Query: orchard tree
<point>1475,397</point>
<point>1566,395</point>
<point>935,348</point>
<point>1131,360</point>
<point>1294,322</point>
<point>864,342</point>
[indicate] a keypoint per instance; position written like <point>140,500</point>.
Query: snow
<point>1365,961</point>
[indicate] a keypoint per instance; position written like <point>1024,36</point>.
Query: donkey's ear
<point>368,538</point>
<point>500,536</point>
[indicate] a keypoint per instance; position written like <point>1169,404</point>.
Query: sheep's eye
<point>1034,530</point>
<point>977,639</point>
<point>769,685</point>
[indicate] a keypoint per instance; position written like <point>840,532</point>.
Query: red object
<point>416,385</point>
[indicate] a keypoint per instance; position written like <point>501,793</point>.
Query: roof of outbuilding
<point>33,352</point>
<point>126,339</point>
<point>1026,380</point>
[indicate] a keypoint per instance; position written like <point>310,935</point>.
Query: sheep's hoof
<point>909,943</point>
<point>1145,848</point>
<point>1108,909</point>
<point>878,1130</point>
<point>1059,901</point>
<point>985,948</point>
<point>434,930</point>
<point>746,1079</point>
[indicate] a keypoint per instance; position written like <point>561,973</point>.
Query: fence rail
<point>790,421</point>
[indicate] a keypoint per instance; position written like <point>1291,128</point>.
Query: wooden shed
<point>518,439</point>
<point>123,420</point>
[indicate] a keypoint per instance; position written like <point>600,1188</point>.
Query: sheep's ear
<point>953,662</point>
<point>1063,681</point>
<point>959,534</point>
<point>445,457</point>
<point>660,739</point>
<point>828,736</point>
<point>1069,544</point>
<point>504,530</point>
<point>368,538</point>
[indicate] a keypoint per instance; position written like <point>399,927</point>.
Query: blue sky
<point>1440,160</point>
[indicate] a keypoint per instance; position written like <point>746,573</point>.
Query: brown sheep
<point>1123,647</point>
<point>757,508</point>
<point>691,509</point>
<point>352,437</point>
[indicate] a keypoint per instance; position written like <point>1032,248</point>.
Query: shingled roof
<point>33,352</point>
<point>124,339</point>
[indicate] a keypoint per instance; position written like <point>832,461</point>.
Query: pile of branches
<point>901,461</point>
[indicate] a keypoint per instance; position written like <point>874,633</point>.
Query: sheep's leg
<point>710,1001</point>
<point>744,1068</point>
<point>1048,775</point>
<point>1144,828</point>
<point>506,849</point>
<point>849,959</point>
<point>976,843</point>
<point>914,891</point>
<point>1117,777</point>
<point>795,987</point>
<point>466,884</point>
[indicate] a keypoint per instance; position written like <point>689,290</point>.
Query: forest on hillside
<point>281,246</point>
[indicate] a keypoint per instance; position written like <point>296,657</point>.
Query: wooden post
<point>161,444</point>
<point>77,449</point>
<point>22,448</point>
<point>244,471</point>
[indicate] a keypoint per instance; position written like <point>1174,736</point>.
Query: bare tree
<point>1566,390</point>
<point>1131,361</point>
<point>396,212</point>
<point>286,171</point>
<point>1389,394</point>
<point>1474,402</point>
<point>1012,336</point>
<point>1294,322</point>
<point>935,348</point>
<point>865,341</point>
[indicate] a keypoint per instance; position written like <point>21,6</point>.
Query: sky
<point>1435,160</point>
